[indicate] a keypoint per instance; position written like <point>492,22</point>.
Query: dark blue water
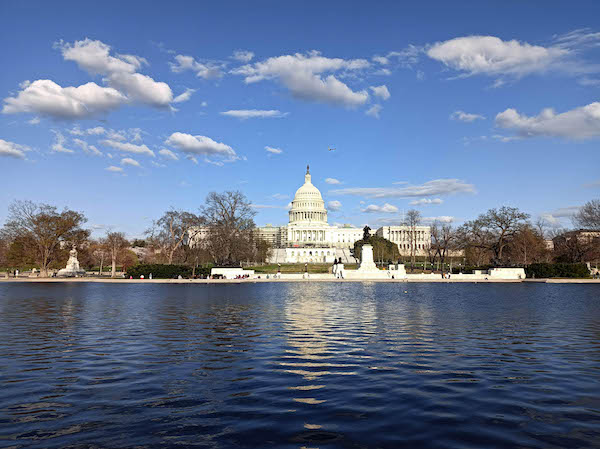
<point>300,365</point>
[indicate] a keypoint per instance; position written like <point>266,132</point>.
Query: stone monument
<point>366,260</point>
<point>72,269</point>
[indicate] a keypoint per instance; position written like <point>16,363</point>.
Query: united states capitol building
<point>309,238</point>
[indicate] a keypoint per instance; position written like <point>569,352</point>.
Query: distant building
<point>309,238</point>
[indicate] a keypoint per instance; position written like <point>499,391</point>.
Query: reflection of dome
<point>308,205</point>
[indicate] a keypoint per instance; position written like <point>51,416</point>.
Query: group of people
<point>338,268</point>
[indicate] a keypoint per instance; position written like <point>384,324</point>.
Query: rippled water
<point>353,365</point>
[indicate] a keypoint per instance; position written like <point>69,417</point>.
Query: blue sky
<point>123,110</point>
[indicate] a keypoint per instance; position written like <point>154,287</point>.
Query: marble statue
<point>72,269</point>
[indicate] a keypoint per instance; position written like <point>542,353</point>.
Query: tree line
<point>220,232</point>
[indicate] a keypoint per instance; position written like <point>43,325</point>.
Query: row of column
<point>308,236</point>
<point>317,216</point>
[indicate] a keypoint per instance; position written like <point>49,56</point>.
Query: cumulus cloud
<point>273,150</point>
<point>386,208</point>
<point>578,123</point>
<point>47,98</point>
<point>94,57</point>
<point>59,141</point>
<point>309,77</point>
<point>184,96</point>
<point>381,92</point>
<point>142,88</point>
<point>244,114</point>
<point>126,147</point>
<point>489,55</point>
<point>114,169</point>
<point>429,188</point>
<point>243,55</point>
<point>426,201</point>
<point>11,149</point>
<point>89,149</point>
<point>200,145</point>
<point>334,205</point>
<point>168,154</point>
<point>207,70</point>
<point>120,71</point>
<point>374,110</point>
<point>129,161</point>
<point>465,116</point>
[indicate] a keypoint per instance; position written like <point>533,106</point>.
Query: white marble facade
<point>309,238</point>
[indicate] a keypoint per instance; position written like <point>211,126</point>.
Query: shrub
<point>164,271</point>
<point>557,270</point>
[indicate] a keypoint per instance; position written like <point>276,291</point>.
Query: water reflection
<point>299,365</point>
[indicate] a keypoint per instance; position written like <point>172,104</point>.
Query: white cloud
<point>426,201</point>
<point>440,219</point>
<point>58,145</point>
<point>142,88</point>
<point>98,130</point>
<point>489,55</point>
<point>386,208</point>
<point>45,97</point>
<point>120,71</point>
<point>202,70</point>
<point>11,149</point>
<point>114,169</point>
<point>34,121</point>
<point>184,96</point>
<point>244,114</point>
<point>555,218</point>
<point>578,123</point>
<point>89,149</point>
<point>429,188</point>
<point>129,161</point>
<point>200,145</point>
<point>374,110</point>
<point>126,147</point>
<point>280,196</point>
<point>334,205</point>
<point>309,77</point>
<point>273,150</point>
<point>77,131</point>
<point>243,55</point>
<point>381,60</point>
<point>168,154</point>
<point>381,92</point>
<point>93,57</point>
<point>332,181</point>
<point>465,116</point>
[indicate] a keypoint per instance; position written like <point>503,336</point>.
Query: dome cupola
<point>308,205</point>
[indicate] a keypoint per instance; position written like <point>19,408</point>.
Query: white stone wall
<point>310,255</point>
<point>402,236</point>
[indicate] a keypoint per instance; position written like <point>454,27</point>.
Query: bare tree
<point>230,218</point>
<point>413,220</point>
<point>443,239</point>
<point>588,216</point>
<point>493,230</point>
<point>45,227</point>
<point>115,243</point>
<point>168,233</point>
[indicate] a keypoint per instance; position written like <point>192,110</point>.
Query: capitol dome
<point>308,205</point>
